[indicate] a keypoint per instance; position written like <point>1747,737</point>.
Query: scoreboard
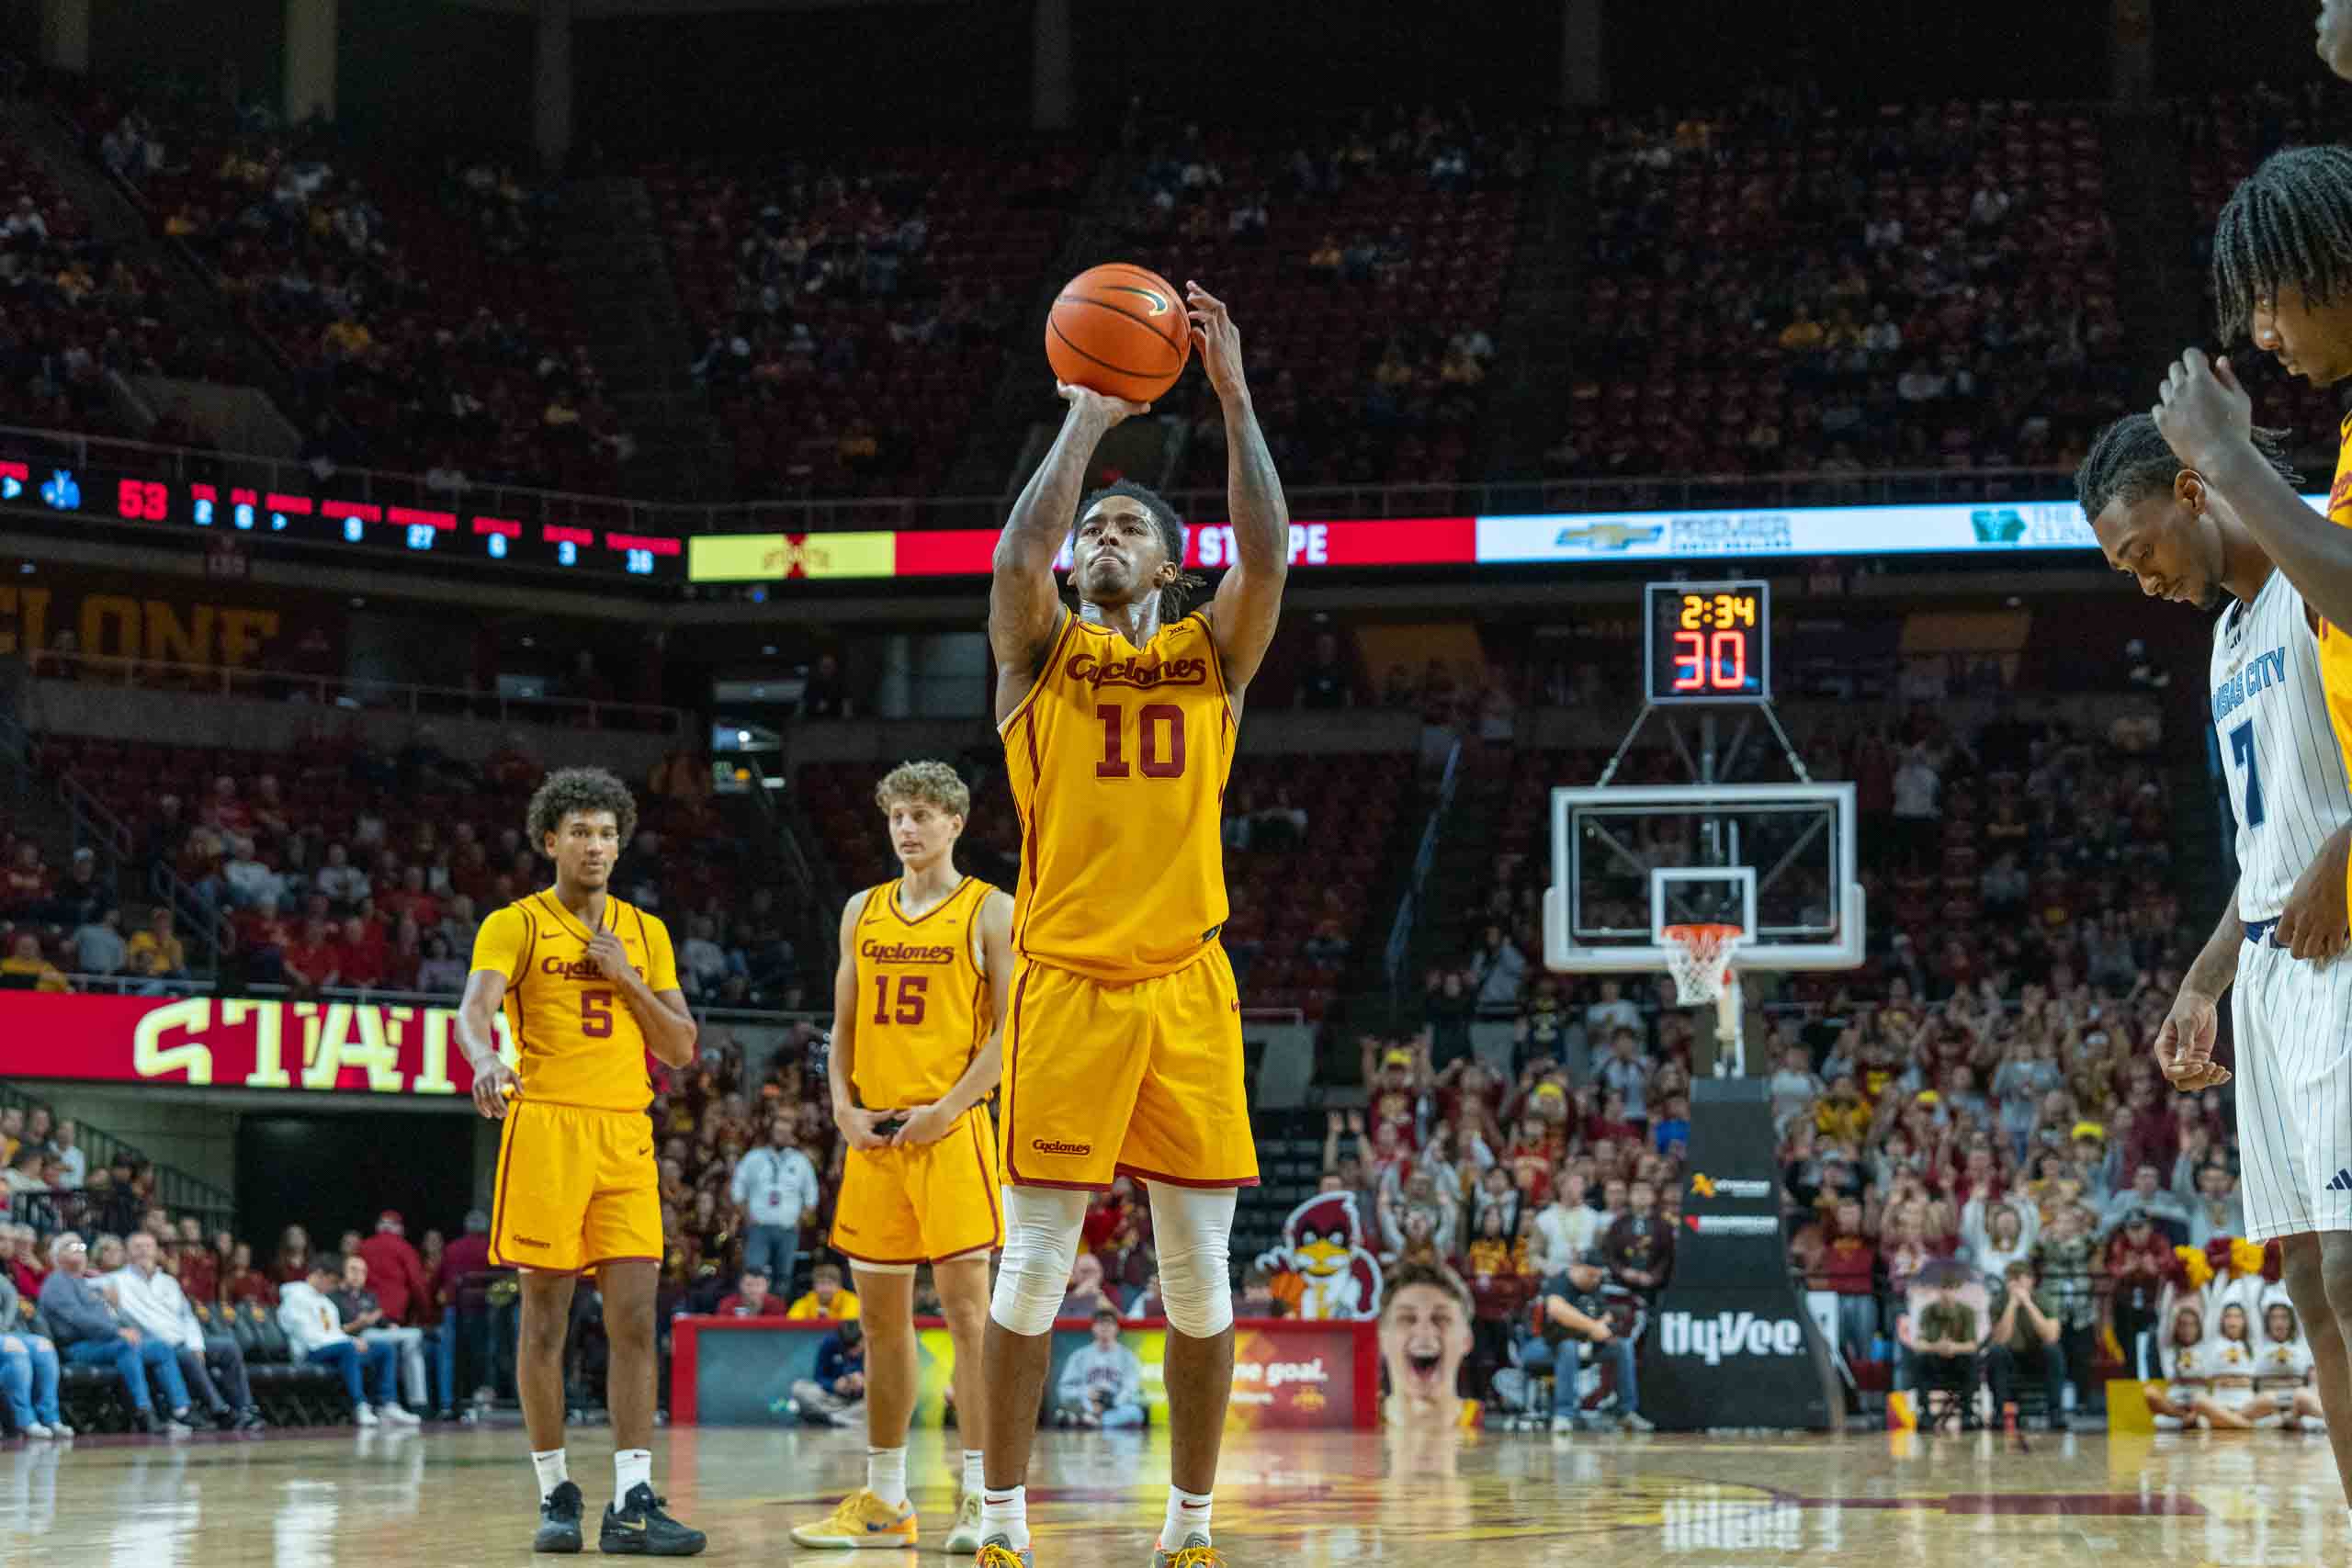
<point>115,493</point>
<point>1708,642</point>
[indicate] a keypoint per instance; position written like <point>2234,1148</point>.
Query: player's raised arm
<point>1024,606</point>
<point>2207,419</point>
<point>1249,600</point>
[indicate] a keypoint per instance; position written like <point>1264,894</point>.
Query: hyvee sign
<point>227,1042</point>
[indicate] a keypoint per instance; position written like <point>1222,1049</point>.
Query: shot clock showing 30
<point>1708,642</point>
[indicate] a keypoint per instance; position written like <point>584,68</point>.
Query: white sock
<point>629,1466</point>
<point>1188,1516</point>
<point>1005,1514</point>
<point>552,1474</point>
<point>886,1474</point>
<point>975,1475</point>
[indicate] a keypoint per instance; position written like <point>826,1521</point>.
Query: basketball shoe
<point>640,1529</point>
<point>997,1553</point>
<point>862,1519</point>
<point>1196,1552</point>
<point>560,1520</point>
<point>964,1537</point>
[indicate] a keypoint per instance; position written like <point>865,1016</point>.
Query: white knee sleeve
<point>1192,1228</point>
<point>1041,1228</point>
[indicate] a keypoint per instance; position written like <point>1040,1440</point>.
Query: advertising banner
<point>1730,1342</point>
<point>1286,1374</point>
<point>228,1042</point>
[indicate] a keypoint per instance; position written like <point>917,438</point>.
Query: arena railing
<point>373,696</point>
<point>817,514</point>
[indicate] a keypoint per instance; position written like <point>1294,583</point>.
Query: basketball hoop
<point>1698,957</point>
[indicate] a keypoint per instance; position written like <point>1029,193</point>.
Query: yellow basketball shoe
<point>998,1551</point>
<point>1196,1552</point>
<point>862,1521</point>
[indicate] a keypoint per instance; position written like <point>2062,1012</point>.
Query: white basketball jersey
<point>2284,768</point>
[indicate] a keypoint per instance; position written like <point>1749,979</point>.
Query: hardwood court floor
<point>464,1496</point>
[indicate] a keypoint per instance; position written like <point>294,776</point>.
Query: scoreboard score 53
<point>1708,642</point>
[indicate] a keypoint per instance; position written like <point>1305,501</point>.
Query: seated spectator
<point>1575,1308</point>
<point>314,1331</point>
<point>1085,1293</point>
<point>84,896</point>
<point>24,1173</point>
<point>156,952</point>
<point>91,1333</point>
<point>153,1303</point>
<point>29,1364</point>
<point>244,1282</point>
<point>1102,1383</point>
<point>25,968</point>
<point>1639,1246</point>
<point>343,883</point>
<point>826,1299</point>
<point>2025,1334</point>
<point>441,973</point>
<point>752,1298</point>
<point>836,1393</point>
<point>364,1317</point>
<point>2146,1195</point>
<point>98,948</point>
<point>311,961</point>
<point>1943,1350</point>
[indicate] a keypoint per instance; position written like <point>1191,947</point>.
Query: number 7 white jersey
<point>2284,771</point>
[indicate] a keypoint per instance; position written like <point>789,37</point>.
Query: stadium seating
<point>1740,263</point>
<point>873,301</point>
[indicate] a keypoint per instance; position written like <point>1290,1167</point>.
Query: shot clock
<point>1708,642</point>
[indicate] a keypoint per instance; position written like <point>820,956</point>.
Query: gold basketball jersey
<point>1118,759</point>
<point>922,1013</point>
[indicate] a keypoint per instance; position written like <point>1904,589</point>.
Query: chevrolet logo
<point>1608,536</point>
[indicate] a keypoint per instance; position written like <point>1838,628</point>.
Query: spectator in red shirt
<point>28,883</point>
<point>293,1260</point>
<point>224,810</point>
<point>246,1283</point>
<point>361,952</point>
<point>752,1298</point>
<point>1849,1267</point>
<point>394,1271</point>
<point>314,961</point>
<point>198,1266</point>
<point>467,1314</point>
<point>413,900</point>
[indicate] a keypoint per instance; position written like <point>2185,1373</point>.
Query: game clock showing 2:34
<point>1708,642</point>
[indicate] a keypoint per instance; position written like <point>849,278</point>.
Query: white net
<point>1698,957</point>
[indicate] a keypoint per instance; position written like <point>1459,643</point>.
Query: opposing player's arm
<point>929,1123</point>
<point>1025,608</point>
<point>2313,923</point>
<point>1249,600</point>
<point>654,998</point>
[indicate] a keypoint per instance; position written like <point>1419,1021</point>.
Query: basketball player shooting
<point>919,1001</point>
<point>2286,920</point>
<point>1123,1045</point>
<point>589,985</point>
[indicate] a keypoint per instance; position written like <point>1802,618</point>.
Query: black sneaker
<point>560,1520</point>
<point>643,1529</point>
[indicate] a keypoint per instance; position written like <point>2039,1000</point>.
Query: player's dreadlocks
<point>1172,536</point>
<point>568,790</point>
<point>2129,461</point>
<point>2288,225</point>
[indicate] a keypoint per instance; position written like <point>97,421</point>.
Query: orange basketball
<point>1120,330</point>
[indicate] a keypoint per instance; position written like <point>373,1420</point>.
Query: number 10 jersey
<point>1118,758</point>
